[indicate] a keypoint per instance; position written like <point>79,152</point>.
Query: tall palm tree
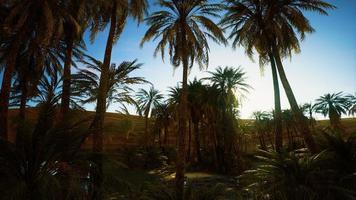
<point>30,25</point>
<point>73,31</point>
<point>286,21</point>
<point>24,85</point>
<point>112,13</point>
<point>245,18</point>
<point>148,100</point>
<point>272,29</point>
<point>352,102</point>
<point>230,83</point>
<point>332,105</point>
<point>184,26</point>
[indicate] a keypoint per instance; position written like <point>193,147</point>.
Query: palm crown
<point>255,25</point>
<point>86,81</point>
<point>184,27</point>
<point>148,100</point>
<point>332,105</point>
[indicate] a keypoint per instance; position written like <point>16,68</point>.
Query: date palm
<point>112,13</point>
<point>231,83</point>
<point>272,29</point>
<point>30,25</point>
<point>184,26</point>
<point>74,28</point>
<point>333,106</point>
<point>163,115</point>
<point>147,101</point>
<point>308,109</point>
<point>286,22</point>
<point>85,87</point>
<point>352,102</point>
<point>45,163</point>
<point>245,19</point>
<point>196,100</point>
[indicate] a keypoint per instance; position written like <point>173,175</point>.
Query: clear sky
<point>327,62</point>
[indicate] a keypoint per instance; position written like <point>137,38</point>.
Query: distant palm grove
<point>188,144</point>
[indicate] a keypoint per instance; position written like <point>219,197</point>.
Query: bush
<point>330,174</point>
<point>144,157</point>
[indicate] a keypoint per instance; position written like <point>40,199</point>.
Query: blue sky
<point>327,62</point>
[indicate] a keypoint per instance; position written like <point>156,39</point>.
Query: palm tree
<point>286,22</point>
<point>24,85</point>
<point>271,28</point>
<point>45,163</point>
<point>113,13</point>
<point>184,26</point>
<point>148,100</point>
<point>245,18</point>
<point>308,109</point>
<point>163,115</point>
<point>73,31</point>
<point>262,122</point>
<point>296,175</point>
<point>352,102</point>
<point>48,90</point>
<point>290,126</point>
<point>85,87</point>
<point>232,83</point>
<point>196,100</point>
<point>31,26</point>
<point>332,105</point>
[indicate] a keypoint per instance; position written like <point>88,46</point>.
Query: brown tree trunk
<point>23,101</point>
<point>197,141</point>
<point>67,77</point>
<point>182,129</point>
<point>277,106</point>
<point>189,140</point>
<point>22,114</point>
<point>159,138</point>
<point>302,123</point>
<point>6,86</point>
<point>98,121</point>
<point>165,135</point>
<point>146,128</point>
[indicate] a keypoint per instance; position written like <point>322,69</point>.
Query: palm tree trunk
<point>98,122</point>
<point>309,140</point>
<point>23,100</point>
<point>6,85</point>
<point>189,140</point>
<point>165,135</point>
<point>146,127</point>
<point>22,114</point>
<point>264,147</point>
<point>159,138</point>
<point>197,141</point>
<point>182,129</point>
<point>277,106</point>
<point>311,122</point>
<point>67,77</point>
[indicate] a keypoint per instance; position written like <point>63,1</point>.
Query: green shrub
<point>329,174</point>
